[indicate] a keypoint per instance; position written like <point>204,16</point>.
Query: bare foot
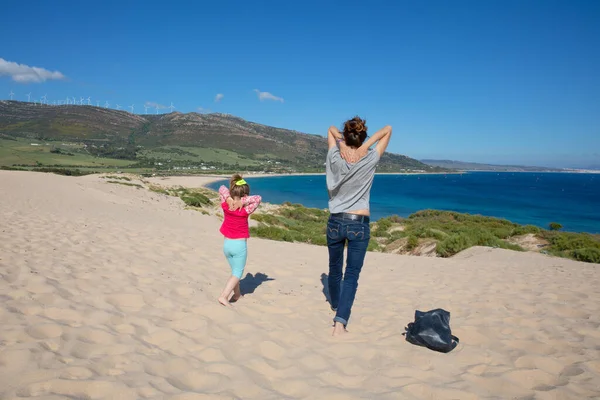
<point>235,298</point>
<point>339,329</point>
<point>224,302</point>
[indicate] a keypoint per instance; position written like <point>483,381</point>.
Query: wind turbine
<point>131,106</point>
<point>145,109</point>
<point>118,106</point>
<point>171,106</point>
<point>11,94</point>
<point>106,104</point>
<point>97,103</point>
<point>67,101</point>
<point>89,99</point>
<point>45,97</point>
<point>74,101</point>
<point>156,110</point>
<point>28,97</point>
<point>81,99</point>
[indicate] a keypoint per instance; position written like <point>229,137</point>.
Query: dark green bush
<point>555,226</point>
<point>591,255</point>
<point>196,200</point>
<point>453,244</point>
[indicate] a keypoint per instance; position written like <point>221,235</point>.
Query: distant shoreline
<point>216,178</point>
<point>205,180</point>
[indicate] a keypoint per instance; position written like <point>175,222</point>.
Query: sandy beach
<point>109,292</point>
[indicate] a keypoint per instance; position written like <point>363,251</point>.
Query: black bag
<point>431,329</point>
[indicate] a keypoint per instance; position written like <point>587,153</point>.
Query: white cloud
<point>152,104</point>
<point>219,97</point>
<point>22,73</point>
<point>267,96</point>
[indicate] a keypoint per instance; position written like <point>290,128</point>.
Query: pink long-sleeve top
<point>235,223</point>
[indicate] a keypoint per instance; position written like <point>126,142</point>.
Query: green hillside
<point>95,137</point>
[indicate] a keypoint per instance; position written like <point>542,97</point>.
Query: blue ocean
<point>571,199</point>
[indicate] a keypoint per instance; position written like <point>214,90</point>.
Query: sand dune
<point>109,292</point>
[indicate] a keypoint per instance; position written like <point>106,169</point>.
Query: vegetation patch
<point>577,246</point>
<point>126,184</point>
<point>292,223</point>
<point>63,171</point>
<point>450,232</point>
<point>123,178</point>
<point>198,198</point>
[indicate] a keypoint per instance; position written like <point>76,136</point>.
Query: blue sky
<point>484,81</point>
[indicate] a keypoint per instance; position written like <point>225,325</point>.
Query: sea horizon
<point>569,198</point>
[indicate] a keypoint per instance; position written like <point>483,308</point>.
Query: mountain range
<point>121,134</point>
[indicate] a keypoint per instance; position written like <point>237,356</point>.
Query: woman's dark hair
<point>355,131</point>
<point>236,190</point>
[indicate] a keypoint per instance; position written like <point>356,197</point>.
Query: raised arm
<point>333,136</point>
<point>224,193</point>
<point>381,137</point>
<point>251,203</point>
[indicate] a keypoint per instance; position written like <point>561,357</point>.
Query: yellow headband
<point>240,182</point>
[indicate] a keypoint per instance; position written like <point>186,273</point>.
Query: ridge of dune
<point>109,291</point>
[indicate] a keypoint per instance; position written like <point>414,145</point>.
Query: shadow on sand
<point>250,282</point>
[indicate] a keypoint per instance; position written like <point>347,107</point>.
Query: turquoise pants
<point>236,252</point>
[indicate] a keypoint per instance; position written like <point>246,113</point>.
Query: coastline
<point>201,180</point>
<point>197,181</point>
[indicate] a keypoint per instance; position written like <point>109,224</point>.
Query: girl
<point>237,205</point>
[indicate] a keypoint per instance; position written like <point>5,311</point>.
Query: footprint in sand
<point>572,370</point>
<point>271,350</point>
<point>200,396</point>
<point>126,301</point>
<point>76,373</point>
<point>172,367</point>
<point>45,331</point>
<point>78,389</point>
<point>65,315</point>
<point>96,336</point>
<point>199,380</point>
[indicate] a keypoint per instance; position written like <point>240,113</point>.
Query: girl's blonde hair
<point>238,187</point>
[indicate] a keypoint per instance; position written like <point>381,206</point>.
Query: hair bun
<point>355,131</point>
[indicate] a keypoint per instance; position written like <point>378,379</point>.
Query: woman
<point>350,168</point>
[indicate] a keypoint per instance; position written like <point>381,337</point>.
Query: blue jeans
<point>356,234</point>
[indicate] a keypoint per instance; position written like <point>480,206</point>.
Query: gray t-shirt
<point>349,185</point>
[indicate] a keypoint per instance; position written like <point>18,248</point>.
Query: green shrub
<point>591,255</point>
<point>412,243</point>
<point>454,244</point>
<point>196,200</point>
<point>396,219</point>
<point>525,229</point>
<point>381,228</point>
<point>126,184</point>
<point>123,178</point>
<point>373,246</point>
<point>563,241</point>
<point>157,189</point>
<point>555,226</point>
<point>64,171</point>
